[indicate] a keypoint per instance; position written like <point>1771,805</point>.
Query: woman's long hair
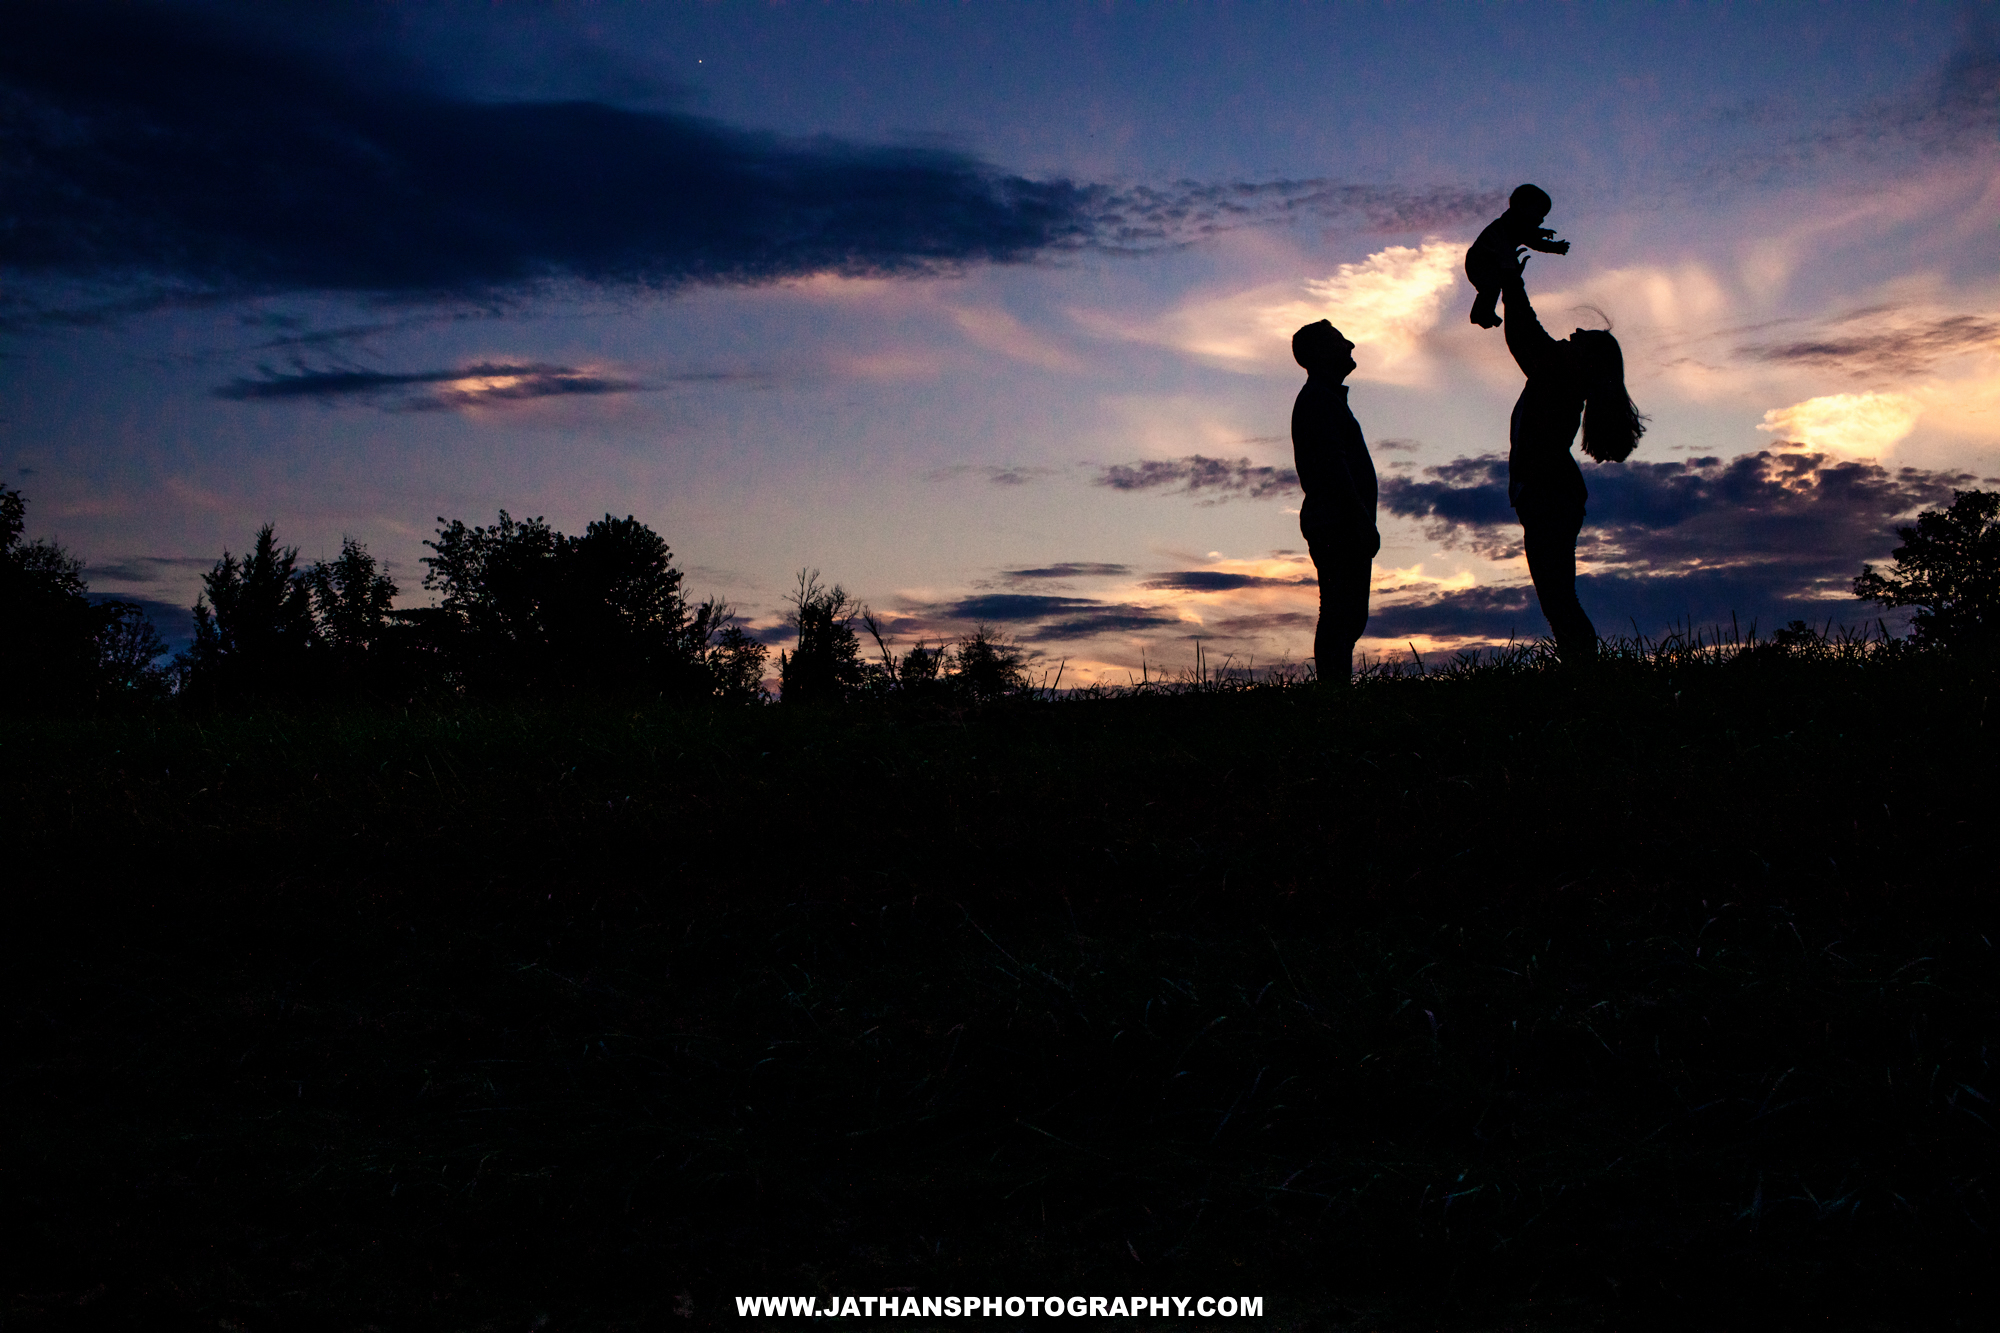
<point>1612,423</point>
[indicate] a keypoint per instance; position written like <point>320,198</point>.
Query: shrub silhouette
<point>982,668</point>
<point>1948,567</point>
<point>921,669</point>
<point>736,664</point>
<point>919,673</point>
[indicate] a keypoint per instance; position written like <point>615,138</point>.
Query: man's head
<point>1530,201</point>
<point>1322,351</point>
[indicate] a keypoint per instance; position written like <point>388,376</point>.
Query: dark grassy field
<point>1661,998</point>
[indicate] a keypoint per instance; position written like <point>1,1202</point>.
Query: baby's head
<point>1322,350</point>
<point>1530,201</point>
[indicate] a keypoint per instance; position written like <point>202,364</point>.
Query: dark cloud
<point>1771,536</point>
<point>1036,618</point>
<point>1069,570</point>
<point>174,621</point>
<point>1104,620</point>
<point>1773,504</point>
<point>1957,105</point>
<point>1003,608</point>
<point>1217,478</point>
<point>208,152</point>
<point>1950,111</point>
<point>1625,603</point>
<point>321,337</point>
<point>778,635</point>
<point>1907,350</point>
<point>1209,580</point>
<point>1144,218</point>
<point>1264,622</point>
<point>293,331</point>
<point>145,568</point>
<point>1486,613</point>
<point>428,390</point>
<point>1393,446</point>
<point>1464,502</point>
<point>26,310</point>
<point>1260,624</point>
<point>153,141</point>
<point>999,476</point>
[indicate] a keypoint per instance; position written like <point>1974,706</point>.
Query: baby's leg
<point>1482,308</point>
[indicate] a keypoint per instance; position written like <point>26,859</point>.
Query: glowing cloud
<point>487,384</point>
<point>1848,425</point>
<point>998,331</point>
<point>1413,579</point>
<point>1386,303</point>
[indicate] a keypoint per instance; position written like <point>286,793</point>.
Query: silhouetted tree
<point>55,645</point>
<point>351,601</point>
<point>47,624</point>
<point>253,623</point>
<point>1948,567</point>
<point>495,583</point>
<point>621,618</point>
<point>128,651</point>
<point>987,667</point>
<point>530,608</point>
<point>825,665</point>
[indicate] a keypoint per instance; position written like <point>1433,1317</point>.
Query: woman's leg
<point>1551,545</point>
<point>1344,576</point>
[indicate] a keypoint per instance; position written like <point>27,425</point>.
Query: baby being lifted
<point>1490,261</point>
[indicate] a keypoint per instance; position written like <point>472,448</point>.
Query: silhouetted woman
<point>1580,378</point>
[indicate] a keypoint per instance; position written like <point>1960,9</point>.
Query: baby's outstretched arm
<point>1544,240</point>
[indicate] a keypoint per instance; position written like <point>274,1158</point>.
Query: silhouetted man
<point>1338,517</point>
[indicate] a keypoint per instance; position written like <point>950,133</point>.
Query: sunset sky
<point>983,309</point>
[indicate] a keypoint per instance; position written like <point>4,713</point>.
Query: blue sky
<point>981,309</point>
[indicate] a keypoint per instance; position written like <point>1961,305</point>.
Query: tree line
<point>526,611</point>
<point>521,611</point>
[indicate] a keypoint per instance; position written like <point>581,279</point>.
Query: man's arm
<point>1357,474</point>
<point>1368,535</point>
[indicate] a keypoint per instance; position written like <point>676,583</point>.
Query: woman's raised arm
<point>1530,343</point>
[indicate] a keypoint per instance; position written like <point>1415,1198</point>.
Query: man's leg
<point>1344,577</point>
<point>1550,542</point>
